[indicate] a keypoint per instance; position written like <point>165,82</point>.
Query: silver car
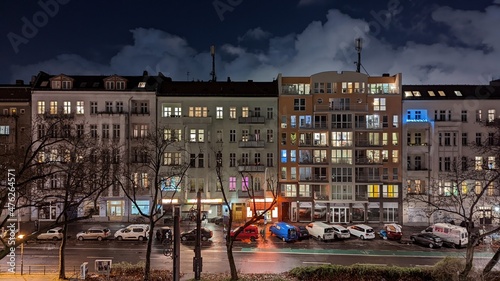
<point>95,233</point>
<point>51,234</point>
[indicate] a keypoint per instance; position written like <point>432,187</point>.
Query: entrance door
<point>285,211</point>
<point>340,215</point>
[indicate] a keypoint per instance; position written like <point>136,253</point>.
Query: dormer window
<point>56,84</point>
<point>110,85</point>
<point>66,85</point>
<point>60,82</point>
<point>115,83</point>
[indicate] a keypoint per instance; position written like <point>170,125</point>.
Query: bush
<point>448,269</point>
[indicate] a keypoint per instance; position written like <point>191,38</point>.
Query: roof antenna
<point>212,52</point>
<point>358,49</point>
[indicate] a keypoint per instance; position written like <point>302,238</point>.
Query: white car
<point>132,233</point>
<point>362,231</point>
<point>340,232</point>
<point>51,234</point>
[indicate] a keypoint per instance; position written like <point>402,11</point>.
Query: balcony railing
<point>368,178</point>
<point>341,107</point>
<point>251,168</point>
<point>252,120</point>
<point>244,144</point>
<point>369,161</point>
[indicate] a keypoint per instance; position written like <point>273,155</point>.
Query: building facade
<point>339,148</point>
<point>450,132</point>
<point>231,124</point>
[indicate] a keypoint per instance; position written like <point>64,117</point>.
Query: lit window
<point>441,93</point>
<point>431,93</point>
<point>458,93</point>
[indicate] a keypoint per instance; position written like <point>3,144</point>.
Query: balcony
<point>341,107</point>
<point>369,161</point>
<point>251,144</point>
<point>252,120</point>
<point>321,196</point>
<point>367,143</point>
<point>368,178</point>
<point>251,168</point>
<point>314,178</point>
<point>248,194</point>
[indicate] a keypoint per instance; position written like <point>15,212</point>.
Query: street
<point>263,256</point>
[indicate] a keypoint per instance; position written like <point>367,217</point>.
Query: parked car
<point>51,234</point>
<point>250,232</point>
<point>284,231</point>
<point>216,220</point>
<point>302,232</point>
<point>133,232</point>
<point>319,213</point>
<point>391,231</point>
<point>93,233</point>
<point>340,232</point>
<point>427,239</point>
<point>362,231</point>
<point>191,234</point>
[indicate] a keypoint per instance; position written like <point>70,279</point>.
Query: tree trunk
<point>493,261</point>
<point>469,259</point>
<point>62,267</point>
<point>147,265</point>
<point>230,258</point>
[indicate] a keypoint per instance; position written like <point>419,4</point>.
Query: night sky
<point>430,42</point>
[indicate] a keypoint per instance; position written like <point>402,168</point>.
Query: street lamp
<point>21,236</point>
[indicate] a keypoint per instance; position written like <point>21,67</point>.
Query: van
<point>284,231</point>
<point>321,231</point>
<point>451,234</point>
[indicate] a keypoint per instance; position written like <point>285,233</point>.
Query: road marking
<point>373,264</point>
<point>316,262</point>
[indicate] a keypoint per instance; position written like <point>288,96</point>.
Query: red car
<point>391,231</point>
<point>250,232</point>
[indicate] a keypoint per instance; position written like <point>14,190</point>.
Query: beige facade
<point>339,147</point>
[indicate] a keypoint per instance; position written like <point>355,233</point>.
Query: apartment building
<point>339,147</point>
<point>114,109</point>
<point>450,130</point>
<point>231,124</point>
<point>15,119</point>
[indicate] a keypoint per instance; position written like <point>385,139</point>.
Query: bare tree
<point>272,188</point>
<point>459,194</point>
<point>67,168</point>
<point>166,172</point>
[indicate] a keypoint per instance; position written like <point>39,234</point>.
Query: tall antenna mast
<point>212,53</point>
<point>358,49</point>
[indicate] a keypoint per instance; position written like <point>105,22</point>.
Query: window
<point>270,136</point>
<point>395,156</point>
<point>478,115</point>
<point>390,191</point>
<point>201,160</point>
<point>116,131</point>
<point>232,159</point>
<point>79,130</point>
<point>299,104</point>
<point>244,112</point>
<point>491,139</point>
<point>232,183</point>
<point>342,192</point>
<point>109,106</point>
<point>305,190</point>
<point>53,107</point>
<point>464,139</point>
<point>80,107</point>
<point>340,139</point>
<point>66,107</point>
<point>395,121</point>
<point>105,131</point>
<point>270,160</point>
<point>270,113</point>
<point>289,190</point>
<point>119,106</point>
<point>219,112</point>
<point>41,107</point>
<point>172,134</point>
<point>491,115</point>
<point>478,139</point>
<point>192,160</point>
<point>341,156</point>
<point>478,163</point>
<point>447,164</point>
<point>220,136</point>
<point>93,107</point>
<point>341,174</point>
<point>198,111</point>
<point>244,159</point>
<point>284,157</point>
<point>232,135</point>
<point>373,191</point>
<point>244,135</point>
<point>171,158</point>
<point>232,113</point>
<point>464,115</point>
<point>257,159</point>
<point>93,131</point>
<point>394,138</point>
<point>379,104</point>
<point>244,183</point>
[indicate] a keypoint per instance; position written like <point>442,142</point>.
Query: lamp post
<point>21,236</point>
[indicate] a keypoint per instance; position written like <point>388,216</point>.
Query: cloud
<point>321,46</point>
<point>254,34</point>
